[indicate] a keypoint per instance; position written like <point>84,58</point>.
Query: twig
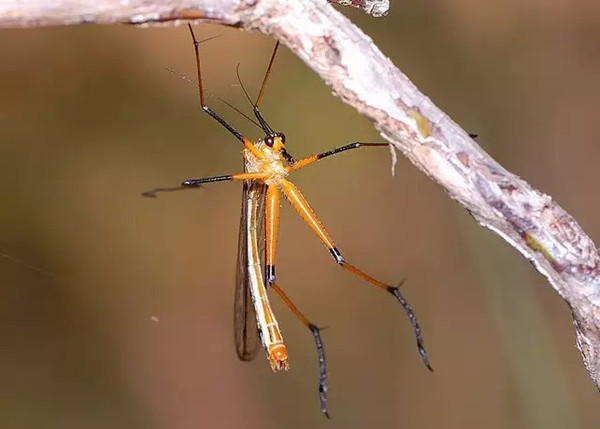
<point>36,13</point>
<point>376,8</point>
<point>364,78</point>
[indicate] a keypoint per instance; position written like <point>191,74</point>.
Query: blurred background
<point>116,310</point>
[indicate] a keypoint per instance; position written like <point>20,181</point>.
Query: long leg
<point>247,143</point>
<point>306,212</point>
<point>314,158</point>
<point>272,227</point>
<point>195,183</point>
<point>192,183</point>
<point>316,331</point>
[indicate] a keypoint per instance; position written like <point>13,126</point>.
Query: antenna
<point>267,74</point>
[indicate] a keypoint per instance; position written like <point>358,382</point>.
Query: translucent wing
<point>247,339</point>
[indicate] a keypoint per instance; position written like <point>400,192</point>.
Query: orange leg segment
<point>272,227</point>
<point>299,203</point>
<point>252,148</point>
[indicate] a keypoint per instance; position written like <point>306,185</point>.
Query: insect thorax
<point>272,162</point>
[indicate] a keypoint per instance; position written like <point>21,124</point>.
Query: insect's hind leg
<point>316,331</point>
<point>271,229</point>
<point>306,212</point>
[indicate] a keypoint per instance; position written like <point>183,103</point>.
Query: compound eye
<point>269,141</point>
<point>282,137</point>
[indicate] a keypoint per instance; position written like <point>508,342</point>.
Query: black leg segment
<point>413,321</point>
<point>194,183</point>
<point>354,145</point>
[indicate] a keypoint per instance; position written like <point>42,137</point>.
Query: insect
<point>267,164</point>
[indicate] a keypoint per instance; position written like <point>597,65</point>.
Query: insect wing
<point>246,335</point>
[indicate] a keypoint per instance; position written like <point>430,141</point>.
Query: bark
<point>358,73</point>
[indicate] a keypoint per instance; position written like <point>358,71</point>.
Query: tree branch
<point>377,8</point>
<point>36,13</point>
<point>364,78</point>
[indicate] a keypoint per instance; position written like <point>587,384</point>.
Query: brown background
<point>89,119</point>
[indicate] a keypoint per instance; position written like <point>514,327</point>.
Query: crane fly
<point>267,164</point>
